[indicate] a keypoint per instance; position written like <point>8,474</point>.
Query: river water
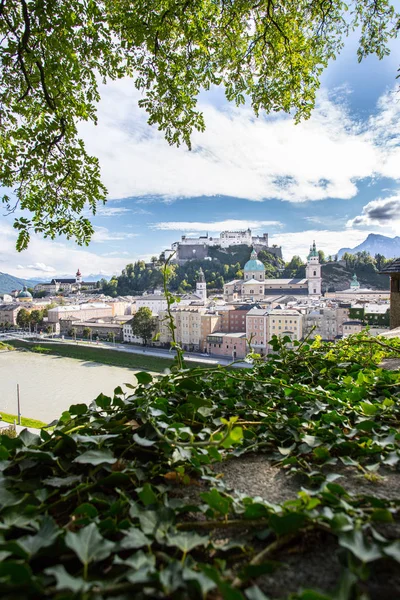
<point>50,384</point>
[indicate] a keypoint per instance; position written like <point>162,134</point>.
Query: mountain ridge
<point>376,243</point>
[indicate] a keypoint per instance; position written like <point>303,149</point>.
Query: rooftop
<point>393,267</point>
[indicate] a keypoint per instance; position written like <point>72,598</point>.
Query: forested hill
<point>9,283</point>
<point>224,265</point>
<point>228,264</point>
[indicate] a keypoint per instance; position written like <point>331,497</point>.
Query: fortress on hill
<point>189,248</point>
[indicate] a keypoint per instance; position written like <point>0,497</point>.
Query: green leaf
<point>78,409</point>
<point>96,457</point>
<point>254,593</point>
<point>46,535</point>
<point>393,550</point>
<point>143,377</point>
<point>86,510</point>
<point>253,571</point>
<point>369,409</point>
<point>382,515</point>
<point>289,523</point>
<point>88,544</point>
<point>216,501</point>
<point>186,541</point>
<point>28,438</point>
<point>103,401</point>
<point>60,482</point>
<point>143,441</point>
<point>15,572</point>
<point>147,495</point>
<point>133,539</point>
<point>65,581</point>
<point>361,548</point>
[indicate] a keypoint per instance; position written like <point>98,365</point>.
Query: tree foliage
<point>144,324</point>
<point>53,55</point>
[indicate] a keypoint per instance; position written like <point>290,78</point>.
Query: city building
<point>285,322</point>
<point>255,287</point>
<point>393,269</point>
<point>351,327</point>
<point>230,345</point>
<point>321,322</point>
<point>192,326</point>
<point>79,312</point>
<point>24,295</point>
<point>67,286</point>
<point>8,313</point>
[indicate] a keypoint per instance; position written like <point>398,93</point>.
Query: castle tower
<point>313,272</point>
<point>78,277</point>
<point>201,286</point>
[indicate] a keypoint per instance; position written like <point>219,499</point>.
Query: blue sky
<point>334,178</point>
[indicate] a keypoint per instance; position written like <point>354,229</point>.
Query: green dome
<point>313,251</point>
<point>24,293</point>
<point>254,264</point>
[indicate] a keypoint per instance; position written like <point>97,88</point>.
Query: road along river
<point>50,384</point>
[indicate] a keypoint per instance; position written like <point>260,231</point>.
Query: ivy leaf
<point>147,495</point>
<point>216,501</point>
<point>254,593</point>
<point>393,550</point>
<point>78,409</point>
<point>28,438</point>
<point>289,523</point>
<point>359,546</point>
<point>186,541</point>
<point>88,544</point>
<point>47,534</point>
<point>96,457</point>
<point>133,539</point>
<point>143,377</point>
<point>60,482</point>
<point>65,581</point>
<point>143,441</point>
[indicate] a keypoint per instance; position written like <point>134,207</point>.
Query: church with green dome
<point>255,287</point>
<point>24,295</point>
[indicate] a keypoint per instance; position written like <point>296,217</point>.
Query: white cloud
<point>108,211</point>
<point>239,155</point>
<point>214,226</point>
<point>383,212</point>
<point>38,267</point>
<point>102,234</point>
<point>330,242</point>
<point>64,258</point>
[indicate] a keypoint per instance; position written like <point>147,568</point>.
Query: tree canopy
<point>54,55</point>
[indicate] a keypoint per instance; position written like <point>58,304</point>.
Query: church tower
<point>313,272</point>
<point>201,286</point>
<point>78,277</point>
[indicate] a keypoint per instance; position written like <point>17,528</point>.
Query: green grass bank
<point>25,422</point>
<point>101,355</point>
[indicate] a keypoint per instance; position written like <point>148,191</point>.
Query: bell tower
<point>201,286</point>
<point>313,272</point>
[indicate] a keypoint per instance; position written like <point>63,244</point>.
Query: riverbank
<point>103,356</point>
<point>25,422</point>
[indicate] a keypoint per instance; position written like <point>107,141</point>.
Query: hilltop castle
<point>189,248</point>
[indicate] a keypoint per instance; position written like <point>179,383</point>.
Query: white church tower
<point>313,272</point>
<point>201,286</point>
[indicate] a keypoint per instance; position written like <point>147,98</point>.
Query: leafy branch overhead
<point>53,55</point>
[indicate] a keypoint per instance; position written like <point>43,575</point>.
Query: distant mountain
<point>376,244</point>
<point>8,283</point>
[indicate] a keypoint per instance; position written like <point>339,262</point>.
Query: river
<point>50,384</point>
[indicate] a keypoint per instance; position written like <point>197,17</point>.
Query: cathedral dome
<point>254,264</point>
<point>25,293</point>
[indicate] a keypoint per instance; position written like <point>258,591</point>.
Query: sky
<point>334,178</point>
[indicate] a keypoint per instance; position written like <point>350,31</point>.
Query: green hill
<point>8,283</point>
<point>338,276</point>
